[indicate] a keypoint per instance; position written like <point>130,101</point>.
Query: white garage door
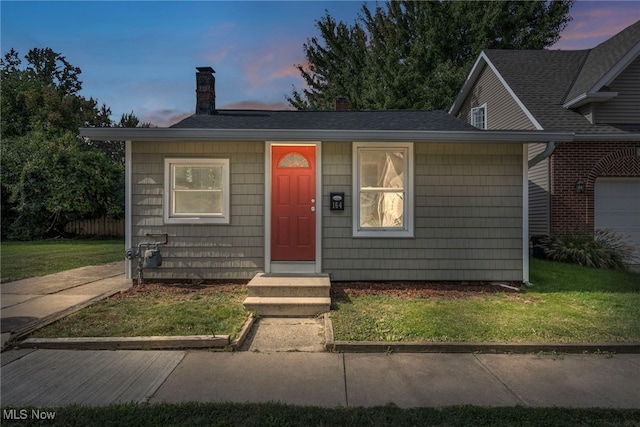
<point>617,206</point>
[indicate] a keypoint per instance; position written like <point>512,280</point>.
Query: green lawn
<point>215,311</point>
<point>274,414</point>
<point>566,304</point>
<point>26,259</point>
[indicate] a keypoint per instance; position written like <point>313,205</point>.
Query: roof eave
<point>587,98</point>
<point>301,135</point>
<point>468,84</point>
<point>617,68</point>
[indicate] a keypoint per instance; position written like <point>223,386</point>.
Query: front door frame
<point>292,267</point>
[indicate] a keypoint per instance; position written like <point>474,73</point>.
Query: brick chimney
<point>205,91</point>
<point>342,104</point>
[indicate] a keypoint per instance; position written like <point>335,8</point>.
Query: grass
<point>566,304</point>
<point>156,313</point>
<point>274,414</point>
<point>26,259</point>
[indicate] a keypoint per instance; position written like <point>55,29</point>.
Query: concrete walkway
<point>34,302</point>
<point>48,378</point>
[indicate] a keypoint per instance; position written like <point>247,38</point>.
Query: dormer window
<point>479,117</point>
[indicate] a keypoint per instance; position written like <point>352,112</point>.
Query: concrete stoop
<point>288,295</point>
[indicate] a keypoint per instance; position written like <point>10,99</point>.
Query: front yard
<point>566,304</point>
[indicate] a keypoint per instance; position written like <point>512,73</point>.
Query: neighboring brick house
<point>358,195</point>
<point>593,181</point>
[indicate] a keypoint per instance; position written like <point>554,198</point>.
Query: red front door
<point>293,203</point>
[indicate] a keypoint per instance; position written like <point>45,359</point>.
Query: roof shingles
<point>327,120</point>
<point>544,80</point>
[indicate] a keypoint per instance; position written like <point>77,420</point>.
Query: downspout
<point>548,151</point>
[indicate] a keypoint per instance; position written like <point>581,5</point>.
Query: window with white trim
<point>479,117</point>
<point>383,189</point>
<point>196,191</point>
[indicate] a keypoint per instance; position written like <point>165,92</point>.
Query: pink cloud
<point>164,118</point>
<point>272,61</point>
<point>595,22</point>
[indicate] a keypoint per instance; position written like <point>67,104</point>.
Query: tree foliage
<point>44,95</point>
<point>416,55</point>
<point>48,181</point>
<point>49,174</point>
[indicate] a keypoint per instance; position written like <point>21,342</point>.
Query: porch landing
<point>288,295</point>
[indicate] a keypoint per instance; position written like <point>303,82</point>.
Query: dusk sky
<point>141,56</point>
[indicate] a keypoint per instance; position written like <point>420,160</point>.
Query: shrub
<point>603,249</point>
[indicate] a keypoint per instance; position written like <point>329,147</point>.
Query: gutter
<point>627,137</point>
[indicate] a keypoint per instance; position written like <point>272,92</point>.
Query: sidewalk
<point>37,301</point>
<point>283,361</point>
<point>49,378</point>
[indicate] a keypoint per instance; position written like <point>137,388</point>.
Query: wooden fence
<point>101,227</point>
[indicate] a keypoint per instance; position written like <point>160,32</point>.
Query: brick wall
<point>585,161</point>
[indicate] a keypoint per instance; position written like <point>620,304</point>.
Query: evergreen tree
<point>416,54</point>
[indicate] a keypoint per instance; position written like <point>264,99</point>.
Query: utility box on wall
<point>336,201</point>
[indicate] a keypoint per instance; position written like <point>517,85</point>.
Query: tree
<point>44,95</point>
<point>49,174</point>
<point>115,149</point>
<point>415,55</point>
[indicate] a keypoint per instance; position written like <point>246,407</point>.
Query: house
<point>581,185</point>
<point>357,195</point>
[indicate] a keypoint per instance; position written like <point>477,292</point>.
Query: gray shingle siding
<point>468,207</point>
<point>468,210</point>
<point>202,251</point>
<point>504,113</point>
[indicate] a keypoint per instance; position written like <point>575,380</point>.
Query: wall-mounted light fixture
<point>579,186</point>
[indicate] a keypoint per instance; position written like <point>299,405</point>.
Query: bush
<point>603,249</point>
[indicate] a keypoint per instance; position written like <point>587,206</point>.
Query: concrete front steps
<point>288,295</point>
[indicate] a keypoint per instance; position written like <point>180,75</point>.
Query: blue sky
<point>141,56</point>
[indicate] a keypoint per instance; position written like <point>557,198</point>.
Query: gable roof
<point>606,61</point>
<point>406,120</point>
<point>543,81</point>
<point>540,79</point>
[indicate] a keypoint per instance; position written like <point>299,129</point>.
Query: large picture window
<point>197,191</point>
<point>383,190</point>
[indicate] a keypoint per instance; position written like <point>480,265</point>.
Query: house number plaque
<point>336,201</point>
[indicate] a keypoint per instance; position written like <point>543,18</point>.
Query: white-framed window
<point>196,191</point>
<point>383,189</point>
<point>479,117</point>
